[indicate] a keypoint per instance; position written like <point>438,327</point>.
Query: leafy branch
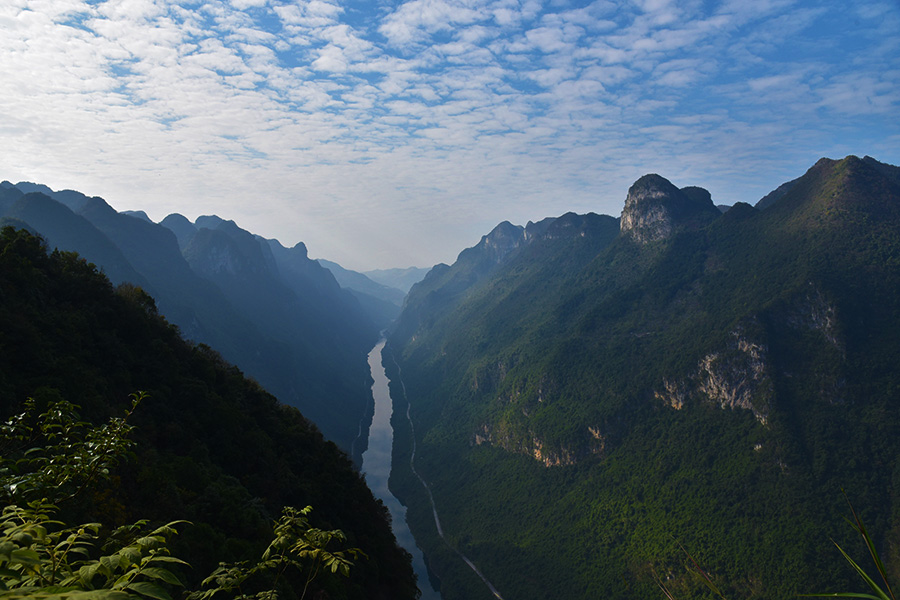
<point>54,454</point>
<point>296,545</point>
<point>878,593</point>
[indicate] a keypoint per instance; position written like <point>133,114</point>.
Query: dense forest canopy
<point>592,398</point>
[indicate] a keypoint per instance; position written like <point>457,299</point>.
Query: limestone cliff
<point>530,444</point>
<point>655,209</point>
<point>735,377</point>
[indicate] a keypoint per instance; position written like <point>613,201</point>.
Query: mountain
<point>64,229</point>
<point>655,209</point>
<point>319,332</point>
<point>212,447</point>
<point>361,283</point>
<point>402,279</point>
<point>597,400</point>
<point>183,229</point>
<point>288,325</point>
<point>773,196</point>
<point>137,213</point>
<point>381,302</point>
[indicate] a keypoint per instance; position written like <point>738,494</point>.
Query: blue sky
<point>387,134</point>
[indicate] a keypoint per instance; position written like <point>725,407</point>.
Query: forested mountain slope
<point>274,312</point>
<point>383,303</point>
<point>592,399</point>
<point>212,447</point>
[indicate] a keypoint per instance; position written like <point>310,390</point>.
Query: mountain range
<point>601,405</point>
<point>272,311</point>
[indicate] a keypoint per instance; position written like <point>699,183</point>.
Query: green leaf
<point>161,574</point>
<point>841,595</point>
<point>109,563</point>
<point>131,553</point>
<point>25,556</point>
<point>169,559</point>
<point>149,589</point>
<point>879,594</point>
<point>87,572</point>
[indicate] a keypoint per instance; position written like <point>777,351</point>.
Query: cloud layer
<point>387,133</point>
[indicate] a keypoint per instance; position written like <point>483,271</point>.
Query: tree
<point>49,458</point>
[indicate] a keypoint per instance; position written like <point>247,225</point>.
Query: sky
<point>386,133</point>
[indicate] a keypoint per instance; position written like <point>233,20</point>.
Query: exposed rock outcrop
<point>532,445</point>
<point>814,311</point>
<point>502,240</point>
<point>736,377</point>
<point>655,209</point>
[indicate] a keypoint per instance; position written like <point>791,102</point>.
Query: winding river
<point>377,467</point>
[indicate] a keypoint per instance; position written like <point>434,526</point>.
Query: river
<point>377,467</point>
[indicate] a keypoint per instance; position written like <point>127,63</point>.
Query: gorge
<point>585,398</point>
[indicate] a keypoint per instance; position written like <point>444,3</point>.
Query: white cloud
<point>245,4</point>
<point>331,58</point>
<point>431,114</point>
<point>416,20</point>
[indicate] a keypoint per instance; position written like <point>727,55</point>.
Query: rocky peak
<point>504,238</point>
<point>654,209</point>
<point>183,229</point>
<point>220,246</point>
<point>210,222</point>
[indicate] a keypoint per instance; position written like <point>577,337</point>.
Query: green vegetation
<point>584,410</point>
<point>211,447</point>
<point>880,593</point>
<point>51,458</point>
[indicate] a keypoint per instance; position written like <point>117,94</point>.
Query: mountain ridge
<point>705,353</point>
<point>316,362</point>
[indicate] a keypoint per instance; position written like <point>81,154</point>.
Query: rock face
<point>655,209</point>
<point>504,238</point>
<point>735,377</point>
<point>537,448</point>
<point>816,312</point>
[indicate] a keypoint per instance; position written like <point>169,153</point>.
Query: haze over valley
<point>578,403</point>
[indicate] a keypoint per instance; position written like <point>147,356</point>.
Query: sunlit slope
<point>587,404</point>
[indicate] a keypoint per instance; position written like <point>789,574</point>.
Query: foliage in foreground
<point>50,458</point>
<point>878,593</point>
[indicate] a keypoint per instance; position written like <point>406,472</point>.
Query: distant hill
<point>402,279</point>
<point>285,322</point>
<point>380,301</point>
<point>594,397</point>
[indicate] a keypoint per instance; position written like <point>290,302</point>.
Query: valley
<point>585,406</point>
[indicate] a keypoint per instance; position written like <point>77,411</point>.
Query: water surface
<point>377,467</point>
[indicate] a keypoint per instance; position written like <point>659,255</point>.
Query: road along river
<point>412,466</point>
